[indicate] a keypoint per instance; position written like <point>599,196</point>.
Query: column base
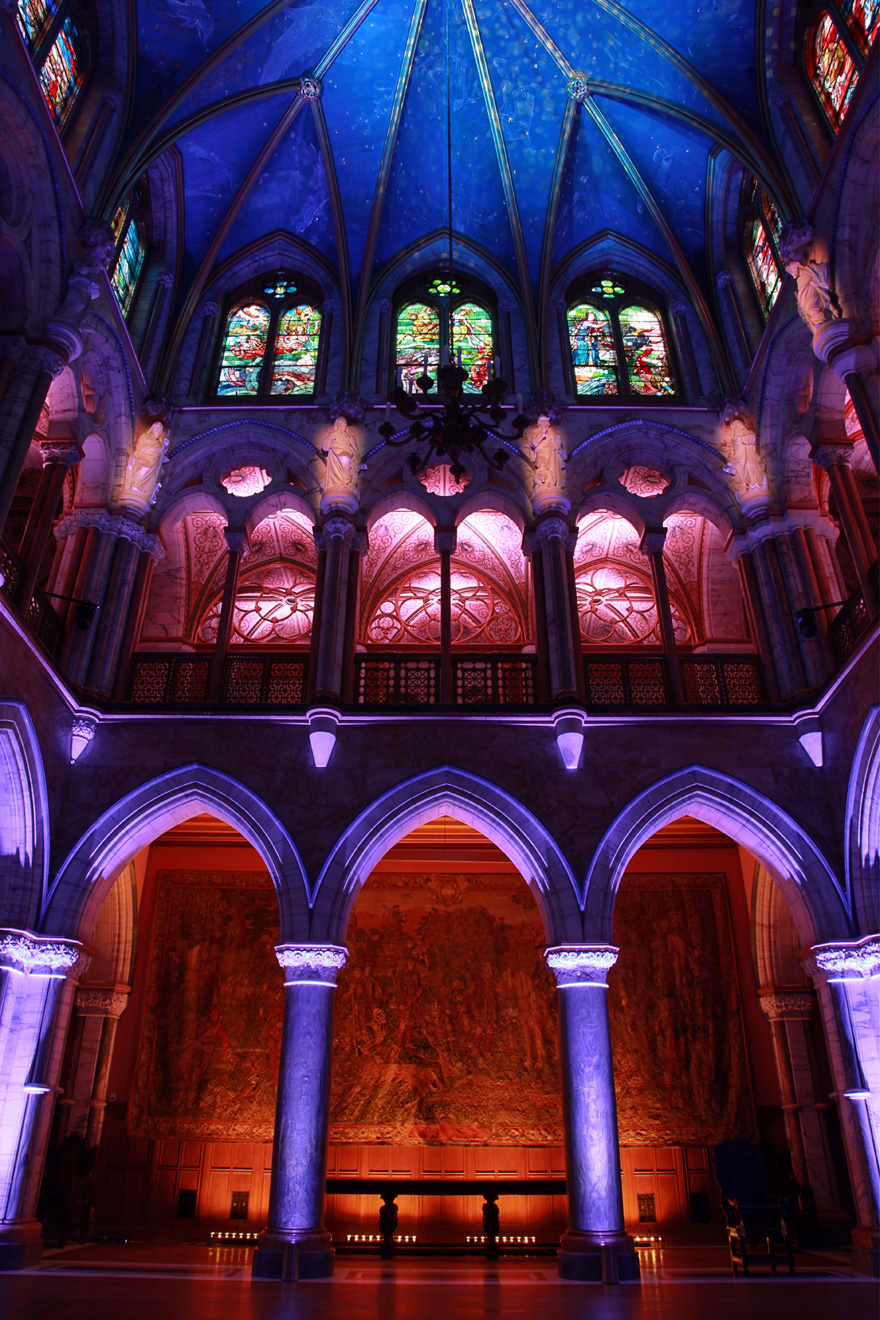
<point>584,1258</point>
<point>286,1257</point>
<point>21,1245</point>
<point>866,1251</point>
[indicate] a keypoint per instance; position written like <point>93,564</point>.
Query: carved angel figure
<point>743,460</point>
<point>815,298</point>
<point>141,482</point>
<point>548,457</point>
<point>342,457</point>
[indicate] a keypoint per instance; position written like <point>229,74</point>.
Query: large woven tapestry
<point>446,1016</point>
<point>211,1037</point>
<point>680,1065</point>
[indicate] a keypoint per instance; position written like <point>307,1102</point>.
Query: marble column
<point>532,549</point>
<point>209,313</point>
<point>846,975</point>
<point>445,541</point>
<point>98,1010</point>
<point>596,1245</point>
<point>557,542</point>
<point>236,543</point>
<point>789,1012</point>
<point>651,545</point>
<point>835,459</point>
<point>681,310</point>
<point>834,342</point>
<point>296,1241</point>
<point>335,539</point>
<point>58,459</point>
<point>37,979</point>
<point>140,594</point>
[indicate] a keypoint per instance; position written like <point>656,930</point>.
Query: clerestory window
<point>437,320</point>
<point>271,341</point>
<point>58,40</point>
<point>129,231</point>
<point>762,227</point>
<point>618,341</point>
<point>837,39</point>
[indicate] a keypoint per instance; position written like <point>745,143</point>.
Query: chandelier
<point>459,427</point>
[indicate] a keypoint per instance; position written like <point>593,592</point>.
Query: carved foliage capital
<point>41,955</point>
<point>311,962</point>
<point>62,453</point>
<point>838,454</point>
<point>581,964</point>
<point>92,1002</point>
<point>845,960</point>
<point>555,528</point>
<point>786,1006</point>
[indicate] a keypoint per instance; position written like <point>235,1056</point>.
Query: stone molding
<point>837,453</point>
<point>845,960</point>
<point>310,89</point>
<point>101,1003</point>
<point>445,540</point>
<point>555,528</point>
<point>41,955</point>
<point>786,1005</point>
<point>780,525</point>
<point>114,524</point>
<point>581,964</point>
<point>311,962</point>
<point>348,405</point>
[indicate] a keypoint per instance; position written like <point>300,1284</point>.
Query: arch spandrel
<point>473,801</point>
<point>88,873</point>
<point>809,886</point>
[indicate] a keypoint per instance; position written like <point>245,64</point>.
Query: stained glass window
<point>762,264</point>
<point>864,15</point>
<point>410,613</point>
<point>418,343</point>
<point>472,336</point>
<point>272,607</point>
<point>296,351</point>
<point>118,222</point>
<point>34,17</point>
<point>616,608</point>
<point>129,263</point>
<point>831,69</point>
<point>608,289</point>
<point>647,360</point>
<point>61,76</point>
<point>280,288</point>
<point>244,348</point>
<point>592,350</point>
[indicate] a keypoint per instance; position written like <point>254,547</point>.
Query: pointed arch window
<point>130,255</point>
<point>438,321</point>
<point>838,35</point>
<point>271,344</point>
<point>618,342</point>
<point>762,229</point>
<point>62,74</point>
<point>35,18</point>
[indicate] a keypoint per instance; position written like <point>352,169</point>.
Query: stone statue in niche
<point>546,452</point>
<point>141,480</point>
<point>339,489</point>
<point>816,301</point>
<point>744,462</point>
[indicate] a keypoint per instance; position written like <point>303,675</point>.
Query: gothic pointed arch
<point>24,820</point>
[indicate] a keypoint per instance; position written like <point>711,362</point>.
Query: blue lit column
<point>596,1246</point>
<point>846,975</point>
<point>296,1243</point>
<point>37,981</point>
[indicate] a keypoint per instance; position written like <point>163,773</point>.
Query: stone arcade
<point>543,757</point>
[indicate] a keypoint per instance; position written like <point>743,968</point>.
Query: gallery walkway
<point>139,1282</point>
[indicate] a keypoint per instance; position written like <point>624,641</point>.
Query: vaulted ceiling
<point>361,173</point>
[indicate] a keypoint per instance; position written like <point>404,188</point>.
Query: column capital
<point>680,307</point>
<point>311,963</point>
<point>724,279</point>
<point>844,960</point>
<point>786,1005</point>
<point>581,964</point>
<point>653,540</point>
<point>165,280</point>
<point>63,453</point>
<point>236,539</point>
<point>553,527</point>
<point>837,453</point>
<point>445,540</point>
<point>92,1001</point>
<point>40,357</point>
<point>42,955</point>
<point>336,525</point>
<point>210,308</point>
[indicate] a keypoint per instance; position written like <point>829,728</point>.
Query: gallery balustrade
<point>852,620</point>
<point>41,617</point>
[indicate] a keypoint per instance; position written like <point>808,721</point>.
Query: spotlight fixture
<point>806,618</point>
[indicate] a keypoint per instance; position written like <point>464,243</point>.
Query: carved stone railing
<point>631,680</point>
<point>477,680</point>
<point>182,679</point>
<point>41,616</point>
<point>851,622</point>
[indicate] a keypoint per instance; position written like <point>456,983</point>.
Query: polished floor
<point>141,1282</point>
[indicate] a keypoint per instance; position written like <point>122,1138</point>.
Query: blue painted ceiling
<point>361,174</point>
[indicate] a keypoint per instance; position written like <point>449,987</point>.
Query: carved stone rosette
<point>845,960</point>
<point>93,1002</point>
<point>311,963</point>
<point>581,964</point>
<point>786,1006</point>
<point>41,955</point>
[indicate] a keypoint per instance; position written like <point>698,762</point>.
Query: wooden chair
<point>757,1224</point>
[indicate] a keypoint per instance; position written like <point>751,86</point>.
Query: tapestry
<point>446,1016</point>
<point>211,1036</point>
<point>680,1065</point>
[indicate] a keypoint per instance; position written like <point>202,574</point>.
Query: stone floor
<point>150,1282</point>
